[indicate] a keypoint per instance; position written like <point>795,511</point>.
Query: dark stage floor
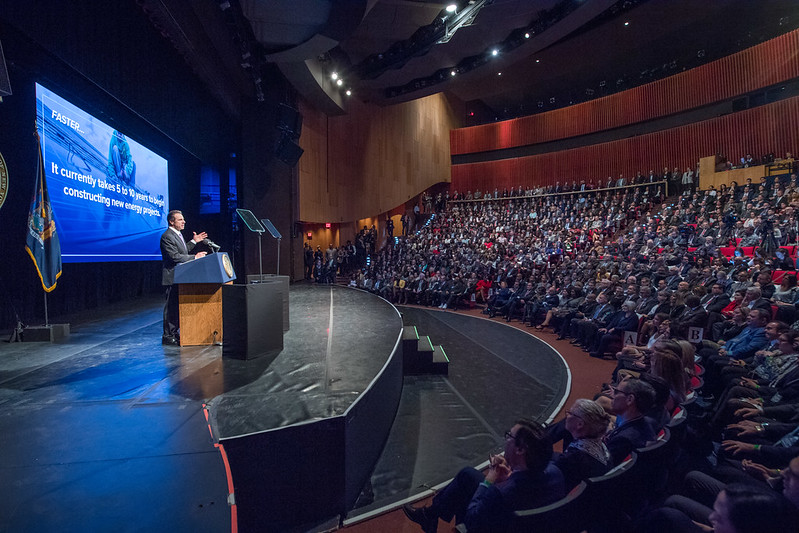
<point>497,374</point>
<point>338,342</point>
<point>106,431</point>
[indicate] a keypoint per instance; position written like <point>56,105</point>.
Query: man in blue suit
<point>174,250</point>
<point>739,348</point>
<point>523,479</point>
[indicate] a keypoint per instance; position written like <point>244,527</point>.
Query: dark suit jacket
<point>762,303</point>
<point>621,323</point>
<point>623,440</point>
<point>490,509</point>
<point>719,303</point>
<point>643,306</point>
<point>691,318</point>
<point>173,253</point>
<point>603,316</point>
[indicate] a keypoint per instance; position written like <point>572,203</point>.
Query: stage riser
<point>307,473</point>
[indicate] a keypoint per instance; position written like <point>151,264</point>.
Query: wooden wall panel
<point>373,159</point>
<point>766,64</point>
<point>757,131</point>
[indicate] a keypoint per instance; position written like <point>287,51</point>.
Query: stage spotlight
<point>334,76</point>
<point>339,82</point>
<point>451,8</point>
<point>452,72</point>
<point>494,52</point>
<point>348,93</point>
<point>526,35</point>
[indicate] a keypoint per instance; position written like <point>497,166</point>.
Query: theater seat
<point>749,251</point>
<point>727,251</point>
<point>607,496</point>
<point>567,515</point>
<point>777,275</point>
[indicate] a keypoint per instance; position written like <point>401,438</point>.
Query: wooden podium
<point>200,298</point>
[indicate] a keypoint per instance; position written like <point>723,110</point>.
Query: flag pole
<point>46,319</point>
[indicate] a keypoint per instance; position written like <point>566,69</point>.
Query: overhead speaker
<point>289,120</point>
<point>5,83</point>
<point>288,151</point>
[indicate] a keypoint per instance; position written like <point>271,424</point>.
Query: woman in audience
<point>782,260</point>
<point>667,365</point>
<point>738,508</point>
<point>728,329</point>
<point>784,298</point>
<point>584,453</point>
<point>677,305</point>
<point>687,358</point>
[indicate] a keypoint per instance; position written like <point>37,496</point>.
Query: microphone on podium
<point>211,244</point>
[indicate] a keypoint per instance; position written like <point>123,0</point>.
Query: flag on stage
<point>42,240</point>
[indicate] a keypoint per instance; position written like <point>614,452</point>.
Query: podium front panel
<point>200,313</point>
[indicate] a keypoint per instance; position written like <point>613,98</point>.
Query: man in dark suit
<point>523,479</point>
<point>585,329</point>
<point>631,399</point>
<point>174,250</point>
<point>716,300</point>
<point>585,309</point>
<point>646,301</point>
<point>623,320</point>
<point>694,316</point>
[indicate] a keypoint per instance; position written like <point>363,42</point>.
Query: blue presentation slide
<point>109,193</point>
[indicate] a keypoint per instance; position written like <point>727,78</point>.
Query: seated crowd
<point>697,303</point>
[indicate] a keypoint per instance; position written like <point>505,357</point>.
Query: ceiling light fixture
<point>494,52</point>
<point>339,82</point>
<point>451,8</point>
<point>348,93</point>
<point>464,18</point>
<point>452,72</point>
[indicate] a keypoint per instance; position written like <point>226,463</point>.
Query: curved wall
<point>757,131</point>
<point>373,159</point>
<point>769,63</point>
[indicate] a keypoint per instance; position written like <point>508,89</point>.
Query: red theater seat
<point>727,251</point>
<point>777,275</point>
<point>749,251</point>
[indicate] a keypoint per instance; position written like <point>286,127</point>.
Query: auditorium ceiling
<point>549,53</point>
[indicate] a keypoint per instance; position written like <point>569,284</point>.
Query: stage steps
<point>420,356</point>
